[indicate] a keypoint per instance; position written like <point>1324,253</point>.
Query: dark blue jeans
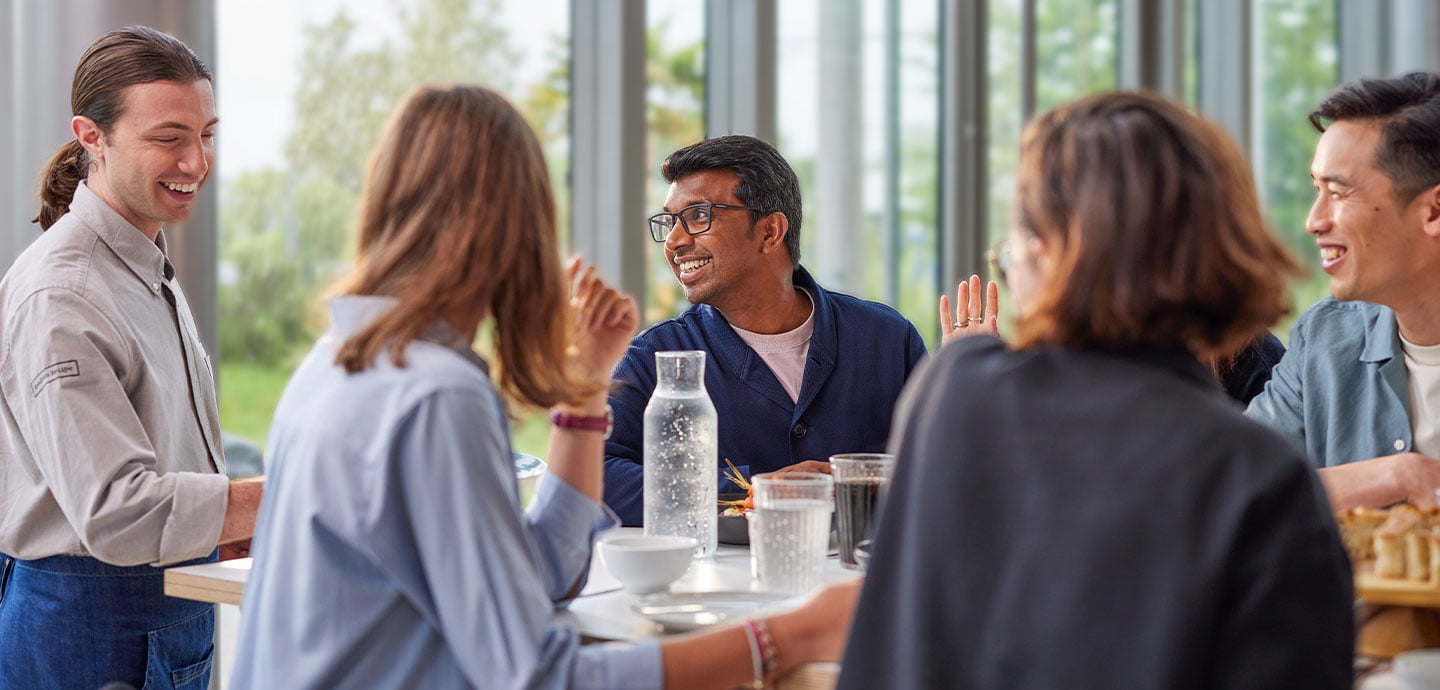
<point>74,622</point>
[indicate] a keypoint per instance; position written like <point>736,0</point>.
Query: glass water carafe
<point>681,464</point>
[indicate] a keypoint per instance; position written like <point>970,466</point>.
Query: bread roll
<point>1390,553</point>
<point>1417,555</point>
<point>1357,530</point>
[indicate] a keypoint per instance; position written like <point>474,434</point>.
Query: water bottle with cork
<point>681,452</point>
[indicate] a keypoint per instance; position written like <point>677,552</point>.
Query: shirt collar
<point>147,260</point>
<point>350,314</point>
<point>1382,339</point>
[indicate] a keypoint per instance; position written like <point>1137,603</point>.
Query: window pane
<point>675,117</point>
<point>1296,64</point>
<point>857,96</point>
<point>1076,53</point>
<point>303,90</point>
<point>1076,49</point>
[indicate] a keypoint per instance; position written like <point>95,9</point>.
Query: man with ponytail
<point>110,455</point>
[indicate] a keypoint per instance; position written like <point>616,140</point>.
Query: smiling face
<point>151,165</point>
<point>718,266</point>
<point>1372,244</point>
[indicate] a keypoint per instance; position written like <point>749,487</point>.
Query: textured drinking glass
<point>790,530</point>
<point>682,470</point>
<point>859,478</point>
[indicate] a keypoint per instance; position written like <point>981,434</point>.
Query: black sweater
<point>1096,519</point>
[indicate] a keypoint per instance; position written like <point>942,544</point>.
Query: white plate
<point>681,611</point>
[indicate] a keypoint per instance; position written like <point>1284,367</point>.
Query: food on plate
<point>1357,530</point>
<point>1390,553</point>
<point>1435,557</point>
<point>1417,555</point>
<point>738,507</point>
<point>1403,541</point>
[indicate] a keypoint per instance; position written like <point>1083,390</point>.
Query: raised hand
<point>604,320</point>
<point>970,317</point>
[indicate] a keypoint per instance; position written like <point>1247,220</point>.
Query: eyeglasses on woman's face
<point>1001,259</point>
<point>694,219</point>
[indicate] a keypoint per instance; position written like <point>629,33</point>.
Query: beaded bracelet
<point>757,658</point>
<point>769,655</point>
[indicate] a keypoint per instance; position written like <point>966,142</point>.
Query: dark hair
<point>114,62</point>
<point>1408,111</point>
<point>1153,229</point>
<point>767,182</point>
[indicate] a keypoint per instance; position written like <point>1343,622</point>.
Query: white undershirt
<point>1422,363</point>
<point>784,353</point>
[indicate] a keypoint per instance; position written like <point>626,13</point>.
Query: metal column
<point>607,172</point>
<point>740,37</point>
<point>963,152</point>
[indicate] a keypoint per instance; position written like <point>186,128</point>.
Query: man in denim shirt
<point>1360,386</point>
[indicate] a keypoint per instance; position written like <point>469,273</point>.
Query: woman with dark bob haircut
<point>1088,509</point>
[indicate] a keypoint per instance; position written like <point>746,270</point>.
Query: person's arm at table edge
<point>1382,481</point>
<point>812,633</point>
<point>242,506</point>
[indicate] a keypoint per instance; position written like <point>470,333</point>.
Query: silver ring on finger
<point>961,324</point>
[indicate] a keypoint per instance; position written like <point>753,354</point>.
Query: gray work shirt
<point>111,434</point>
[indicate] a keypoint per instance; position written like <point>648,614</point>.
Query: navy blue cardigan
<point>860,355</point>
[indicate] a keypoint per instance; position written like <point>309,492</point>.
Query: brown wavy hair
<point>1153,229</point>
<point>457,216</point>
<point>113,63</point>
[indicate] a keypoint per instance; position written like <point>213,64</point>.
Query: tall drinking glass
<point>859,477</point>
<point>790,530</point>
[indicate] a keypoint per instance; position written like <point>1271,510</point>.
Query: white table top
<point>1382,680</point>
<point>602,611</point>
<point>216,583</point>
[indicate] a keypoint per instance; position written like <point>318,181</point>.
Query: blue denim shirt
<point>1341,389</point>
<point>860,355</point>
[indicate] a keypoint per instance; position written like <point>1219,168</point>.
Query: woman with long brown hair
<point>392,550</point>
<point>1087,509</point>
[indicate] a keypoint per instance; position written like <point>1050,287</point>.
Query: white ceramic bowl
<point>1419,668</point>
<point>646,563</point>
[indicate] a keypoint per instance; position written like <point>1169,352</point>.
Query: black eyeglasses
<point>695,219</point>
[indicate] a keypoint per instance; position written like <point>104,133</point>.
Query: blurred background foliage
<point>286,230</point>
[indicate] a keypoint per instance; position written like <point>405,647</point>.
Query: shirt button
<point>800,430</point>
<point>1399,444</point>
<point>155,288</point>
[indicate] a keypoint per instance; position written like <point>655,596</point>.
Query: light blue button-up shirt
<point>391,550</point>
<point>1341,391</point>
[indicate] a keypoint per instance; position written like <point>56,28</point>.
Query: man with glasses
<point>797,372</point>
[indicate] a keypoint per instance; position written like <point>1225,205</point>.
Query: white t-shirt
<point>785,353</point>
<point>1422,363</point>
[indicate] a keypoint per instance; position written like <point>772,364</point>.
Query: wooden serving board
<point>1391,592</point>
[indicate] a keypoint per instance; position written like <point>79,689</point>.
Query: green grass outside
<point>249,393</point>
